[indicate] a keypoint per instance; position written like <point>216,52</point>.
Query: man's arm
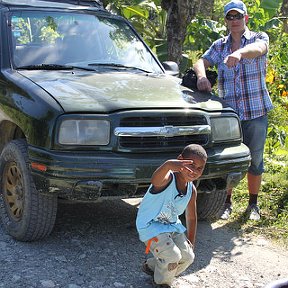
<point>191,218</point>
<point>203,84</point>
<point>250,51</point>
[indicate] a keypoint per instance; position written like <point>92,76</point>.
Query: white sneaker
<point>254,212</point>
<point>227,211</point>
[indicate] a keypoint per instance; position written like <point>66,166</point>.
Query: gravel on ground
<point>95,245</point>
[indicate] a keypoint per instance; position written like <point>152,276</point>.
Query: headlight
<point>84,132</point>
<point>225,128</point>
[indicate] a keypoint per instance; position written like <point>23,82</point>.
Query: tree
<point>206,7</point>
<point>179,15</point>
<point>284,12</point>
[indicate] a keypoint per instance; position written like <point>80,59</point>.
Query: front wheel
<point>210,204</point>
<point>25,214</point>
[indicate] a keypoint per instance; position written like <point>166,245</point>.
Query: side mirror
<point>171,68</point>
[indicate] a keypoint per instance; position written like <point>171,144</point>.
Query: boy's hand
<point>161,177</point>
<point>180,165</point>
<point>184,167</point>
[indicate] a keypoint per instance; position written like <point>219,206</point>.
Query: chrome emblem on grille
<point>169,131</point>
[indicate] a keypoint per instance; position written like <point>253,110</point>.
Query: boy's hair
<point>194,149</point>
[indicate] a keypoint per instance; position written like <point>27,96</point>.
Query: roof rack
<point>88,3</point>
<point>91,3</point>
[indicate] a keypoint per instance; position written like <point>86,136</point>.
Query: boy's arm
<point>191,218</point>
<point>161,177</point>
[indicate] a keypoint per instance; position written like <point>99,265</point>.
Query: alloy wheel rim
<point>13,191</point>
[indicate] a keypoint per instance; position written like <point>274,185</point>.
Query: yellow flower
<point>281,86</point>
<point>284,93</point>
<point>270,76</point>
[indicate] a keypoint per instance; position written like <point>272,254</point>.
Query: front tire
<point>210,204</point>
<point>25,214</point>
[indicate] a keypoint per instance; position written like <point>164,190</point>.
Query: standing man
<point>241,61</point>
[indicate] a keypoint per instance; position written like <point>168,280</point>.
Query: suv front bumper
<point>69,173</point>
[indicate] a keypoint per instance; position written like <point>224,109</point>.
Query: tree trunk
<point>206,7</point>
<point>284,12</point>
<point>179,15</point>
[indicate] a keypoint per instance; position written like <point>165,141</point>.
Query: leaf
<point>149,4</point>
<point>273,23</point>
<point>130,11</point>
<point>271,4</point>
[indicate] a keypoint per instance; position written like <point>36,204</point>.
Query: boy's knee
<point>188,256</point>
<point>174,256</point>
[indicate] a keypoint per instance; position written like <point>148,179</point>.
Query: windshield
<point>77,39</point>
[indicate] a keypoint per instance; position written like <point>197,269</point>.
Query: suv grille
<point>158,141</point>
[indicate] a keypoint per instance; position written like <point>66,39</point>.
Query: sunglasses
<point>237,16</point>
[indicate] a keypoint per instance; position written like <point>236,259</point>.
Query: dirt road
<point>96,245</point>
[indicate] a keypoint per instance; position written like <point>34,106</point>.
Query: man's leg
<point>254,136</point>
<point>254,184</point>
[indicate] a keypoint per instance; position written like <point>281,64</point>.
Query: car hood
<point>85,91</point>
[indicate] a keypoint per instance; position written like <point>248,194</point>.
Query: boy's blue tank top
<point>159,213</point>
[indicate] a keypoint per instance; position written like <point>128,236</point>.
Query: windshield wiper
<point>53,67</point>
<point>117,65</point>
<point>46,67</point>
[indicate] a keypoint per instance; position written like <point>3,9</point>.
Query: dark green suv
<point>87,111</point>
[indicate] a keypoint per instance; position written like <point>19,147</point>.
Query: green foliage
<point>273,202</point>
<point>149,20</point>
<point>277,138</point>
<point>263,15</point>
<point>43,31</point>
<point>24,28</point>
<point>271,5</point>
<point>205,29</point>
<point>48,35</point>
<point>277,82</point>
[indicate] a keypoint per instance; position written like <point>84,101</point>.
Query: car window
<point>40,37</point>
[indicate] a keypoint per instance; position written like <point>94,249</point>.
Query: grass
<point>273,202</point>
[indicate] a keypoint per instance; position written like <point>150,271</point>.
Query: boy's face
<point>197,167</point>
